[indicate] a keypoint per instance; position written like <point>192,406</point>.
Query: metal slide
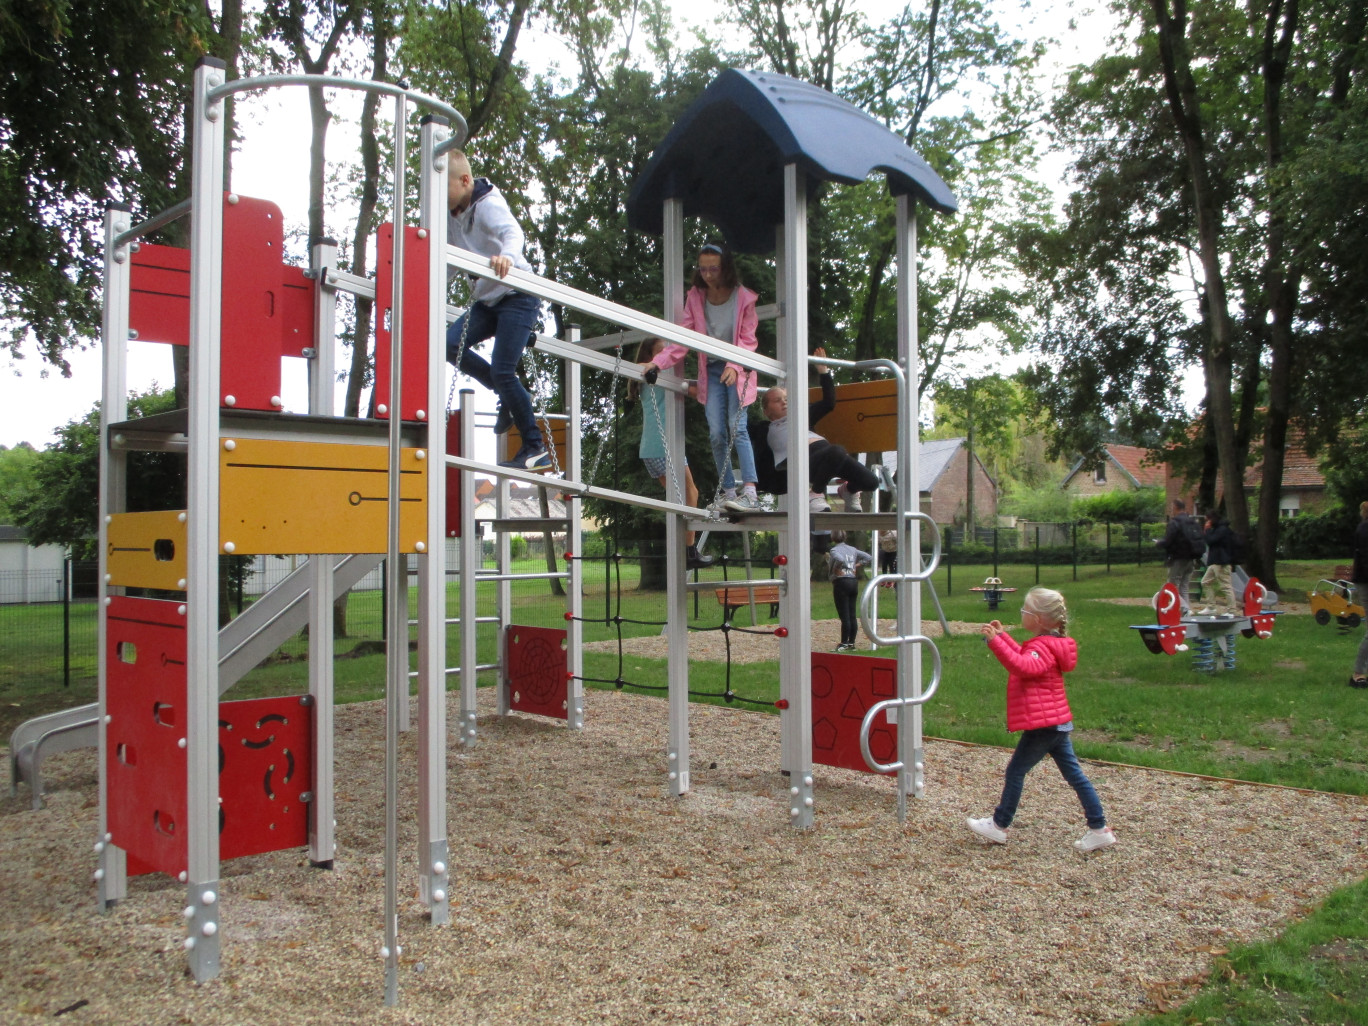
<point>260,630</point>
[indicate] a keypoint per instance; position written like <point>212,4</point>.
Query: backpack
<point>1190,537</point>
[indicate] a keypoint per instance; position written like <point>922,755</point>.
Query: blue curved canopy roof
<point>725,157</point>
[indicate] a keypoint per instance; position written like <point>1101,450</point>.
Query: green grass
<point>1283,716</point>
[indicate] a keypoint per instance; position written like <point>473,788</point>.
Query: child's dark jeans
<point>1032,746</point>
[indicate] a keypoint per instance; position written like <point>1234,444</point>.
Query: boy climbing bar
<point>481,222</point>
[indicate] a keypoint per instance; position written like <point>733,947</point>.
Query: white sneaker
<point>1208,611</point>
<point>989,830</point>
<point>1094,839</point>
<point>818,504</point>
<point>742,504</point>
<point>851,499</point>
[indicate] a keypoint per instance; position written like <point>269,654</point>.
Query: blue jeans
<point>727,417</point>
<point>510,321</point>
<point>1032,746</point>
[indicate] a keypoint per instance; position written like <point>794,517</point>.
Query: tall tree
<point>1197,138</point>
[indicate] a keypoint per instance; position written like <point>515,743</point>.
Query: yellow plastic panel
<point>147,550</point>
<point>310,497</point>
<point>865,418</point>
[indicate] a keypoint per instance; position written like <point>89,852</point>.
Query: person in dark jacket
<point>1220,543</point>
<point>1359,679</point>
<point>1181,558</point>
<point>826,461</point>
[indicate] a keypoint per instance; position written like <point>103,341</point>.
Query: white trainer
<point>987,829</point>
<point>851,499</point>
<point>1094,839</point>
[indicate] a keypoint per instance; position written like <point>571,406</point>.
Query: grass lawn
<point>1283,716</point>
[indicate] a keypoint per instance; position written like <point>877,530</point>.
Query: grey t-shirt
<point>721,319</point>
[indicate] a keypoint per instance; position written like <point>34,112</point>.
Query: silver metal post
<point>396,567</point>
<point>111,873</point>
<point>912,775</point>
<point>433,854</point>
<point>322,809</point>
<point>574,504</point>
<point>202,527</point>
<point>676,596</point>
<point>795,661</point>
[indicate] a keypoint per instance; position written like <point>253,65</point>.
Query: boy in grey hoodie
<point>481,222</point>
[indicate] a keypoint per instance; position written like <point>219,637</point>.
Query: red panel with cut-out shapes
<point>843,689</point>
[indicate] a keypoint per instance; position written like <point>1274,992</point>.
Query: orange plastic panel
<point>312,497</point>
<point>147,550</point>
<point>865,418</point>
<point>538,671</point>
<point>843,689</point>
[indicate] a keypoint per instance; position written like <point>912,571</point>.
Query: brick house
<point>1303,484</point>
<point>944,485</point>
<point>1123,468</point>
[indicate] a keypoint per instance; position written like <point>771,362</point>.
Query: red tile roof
<point>1299,469</point>
<point>1136,462</point>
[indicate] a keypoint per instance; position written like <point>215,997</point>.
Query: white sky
<point>36,400</point>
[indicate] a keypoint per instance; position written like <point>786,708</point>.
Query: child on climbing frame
<point>844,560</point>
<point>481,222</point>
<point>1038,707</point>
<point>653,450</point>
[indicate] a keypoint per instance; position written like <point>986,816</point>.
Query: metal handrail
<point>900,703</point>
<point>867,621</point>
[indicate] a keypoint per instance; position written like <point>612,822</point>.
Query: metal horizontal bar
<point>345,281</point>
<point>624,368</point>
<point>548,576</point>
<point>554,292</point>
<point>459,129</point>
<point>455,671</point>
<point>153,223</point>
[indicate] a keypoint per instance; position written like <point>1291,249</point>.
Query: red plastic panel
<point>843,689</point>
<point>453,478</point>
<point>268,309</point>
<point>1168,606</point>
<point>538,671</point>
<point>265,764</point>
<point>159,294</point>
<point>414,391</point>
<point>145,656</point>
<point>1253,597</point>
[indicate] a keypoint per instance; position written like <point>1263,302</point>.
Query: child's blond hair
<point>1049,605</point>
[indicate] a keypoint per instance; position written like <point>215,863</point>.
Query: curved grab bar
<point>867,596</point>
<point>901,703</point>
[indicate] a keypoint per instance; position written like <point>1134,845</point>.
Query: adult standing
<point>1183,545</point>
<point>1359,679</point>
<point>718,305</point>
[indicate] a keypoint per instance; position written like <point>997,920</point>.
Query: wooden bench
<point>734,597</point>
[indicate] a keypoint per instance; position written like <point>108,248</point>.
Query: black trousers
<point>827,461</point>
<point>843,590</point>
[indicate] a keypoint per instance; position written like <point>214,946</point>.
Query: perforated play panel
<point>312,497</point>
<point>265,750</point>
<point>538,670</point>
<point>843,689</point>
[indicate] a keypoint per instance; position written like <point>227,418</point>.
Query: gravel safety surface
<point>584,893</point>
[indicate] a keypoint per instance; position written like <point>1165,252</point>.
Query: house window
<point>1289,506</point>
<point>1100,474</point>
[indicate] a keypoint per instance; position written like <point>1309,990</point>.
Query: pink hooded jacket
<point>1035,679</point>
<point>695,319</point>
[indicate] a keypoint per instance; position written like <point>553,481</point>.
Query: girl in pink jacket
<point>718,304</point>
<point>1038,707</point>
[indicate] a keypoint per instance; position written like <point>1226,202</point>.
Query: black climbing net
<point>614,619</point>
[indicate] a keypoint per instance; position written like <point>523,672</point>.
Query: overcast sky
<point>37,400</point>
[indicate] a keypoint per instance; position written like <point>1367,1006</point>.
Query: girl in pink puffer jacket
<point>1038,707</point>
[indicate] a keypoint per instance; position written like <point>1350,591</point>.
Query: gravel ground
<point>584,893</point>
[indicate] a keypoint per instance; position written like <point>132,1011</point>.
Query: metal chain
<point>598,455</point>
<point>665,440</point>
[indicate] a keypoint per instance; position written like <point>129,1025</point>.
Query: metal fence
<point>47,624</point>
